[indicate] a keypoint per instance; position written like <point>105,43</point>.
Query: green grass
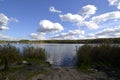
<point>10,55</point>
<point>104,55</point>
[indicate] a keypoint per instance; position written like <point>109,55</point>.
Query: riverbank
<point>23,71</point>
<point>42,72</point>
<point>71,74</point>
<point>35,71</point>
<point>81,41</point>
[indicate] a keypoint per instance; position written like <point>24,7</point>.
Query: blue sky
<point>59,19</point>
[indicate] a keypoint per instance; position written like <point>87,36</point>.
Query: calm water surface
<point>58,54</point>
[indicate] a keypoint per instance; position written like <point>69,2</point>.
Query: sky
<point>59,19</point>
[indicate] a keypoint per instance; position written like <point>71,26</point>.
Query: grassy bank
<point>21,65</point>
<point>99,56</point>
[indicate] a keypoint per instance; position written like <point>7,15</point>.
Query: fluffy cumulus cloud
<point>94,22</point>
<point>52,9</point>
<point>89,24</point>
<point>80,19</point>
<point>105,33</point>
<point>83,19</point>
<point>109,33</point>
<point>88,10</point>
<point>71,17</point>
<point>115,3</point>
<point>46,26</point>
<point>50,27</point>
<point>84,13</point>
<point>106,16</point>
<point>71,34</point>
<point>38,36</point>
<point>3,21</point>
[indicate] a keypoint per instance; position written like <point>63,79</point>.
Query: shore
<point>43,72</point>
<point>62,73</point>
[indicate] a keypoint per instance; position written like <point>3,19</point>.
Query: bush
<point>100,55</point>
<point>8,55</point>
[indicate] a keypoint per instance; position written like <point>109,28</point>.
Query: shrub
<point>100,55</point>
<point>8,55</point>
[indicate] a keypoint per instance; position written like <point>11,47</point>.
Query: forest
<point>99,40</point>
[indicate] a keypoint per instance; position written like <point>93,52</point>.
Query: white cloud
<point>3,37</point>
<point>13,20</point>
<point>88,10</point>
<point>89,36</point>
<point>109,33</point>
<point>4,28</point>
<point>71,17</point>
<point>50,27</point>
<point>79,21</point>
<point>38,36</point>
<point>89,24</point>
<point>72,34</point>
<point>92,23</point>
<point>76,32</point>
<point>106,16</point>
<point>96,20</point>
<point>3,22</point>
<point>115,3</point>
<point>52,9</point>
<point>46,26</point>
<point>105,33</point>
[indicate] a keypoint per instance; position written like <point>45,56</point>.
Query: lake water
<point>58,54</point>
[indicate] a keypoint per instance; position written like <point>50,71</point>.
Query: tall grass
<point>31,52</point>
<point>11,59</point>
<point>101,55</point>
<point>10,54</point>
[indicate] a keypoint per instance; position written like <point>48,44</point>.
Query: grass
<point>104,55</point>
<point>11,59</point>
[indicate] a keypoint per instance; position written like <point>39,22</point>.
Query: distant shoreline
<point>85,41</point>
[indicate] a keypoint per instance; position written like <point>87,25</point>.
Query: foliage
<point>8,54</point>
<point>100,55</point>
<point>34,53</point>
<point>11,59</point>
<point>99,40</point>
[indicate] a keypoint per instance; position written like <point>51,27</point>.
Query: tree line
<point>100,40</point>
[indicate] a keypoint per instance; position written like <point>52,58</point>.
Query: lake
<point>58,54</point>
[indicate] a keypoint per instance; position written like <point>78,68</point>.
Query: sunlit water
<point>57,54</point>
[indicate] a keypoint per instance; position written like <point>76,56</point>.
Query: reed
<point>33,53</point>
<point>8,55</point>
<point>105,55</point>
